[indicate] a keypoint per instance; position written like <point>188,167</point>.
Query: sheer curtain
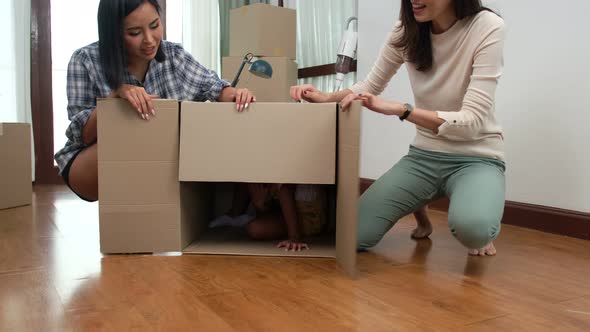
<point>195,25</point>
<point>15,64</point>
<point>320,27</point>
<point>15,85</point>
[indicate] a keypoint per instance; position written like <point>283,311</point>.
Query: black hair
<point>415,38</point>
<point>113,55</point>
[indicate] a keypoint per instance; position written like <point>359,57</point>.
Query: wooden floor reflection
<point>53,278</point>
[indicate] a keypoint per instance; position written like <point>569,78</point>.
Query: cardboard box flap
<point>138,188</point>
<point>195,201</point>
<point>349,124</point>
<point>135,138</point>
<point>16,182</point>
<point>269,143</point>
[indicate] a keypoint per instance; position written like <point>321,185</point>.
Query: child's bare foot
<point>488,250</point>
<point>424,228</point>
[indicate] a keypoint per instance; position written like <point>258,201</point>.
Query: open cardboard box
<point>157,179</point>
<point>16,183</point>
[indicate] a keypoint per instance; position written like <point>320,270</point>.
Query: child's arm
<point>287,201</point>
<point>240,200</point>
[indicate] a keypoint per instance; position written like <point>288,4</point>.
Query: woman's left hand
<point>373,103</point>
<point>243,98</point>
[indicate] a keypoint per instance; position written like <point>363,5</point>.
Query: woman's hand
<point>373,103</point>
<point>292,245</point>
<point>243,98</point>
<point>308,93</point>
<point>138,98</point>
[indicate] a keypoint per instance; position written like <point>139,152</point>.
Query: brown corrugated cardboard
<point>143,209</point>
<point>16,188</point>
<point>348,187</point>
<point>139,192</point>
<point>220,144</point>
<point>274,89</point>
<point>270,142</point>
<point>263,30</point>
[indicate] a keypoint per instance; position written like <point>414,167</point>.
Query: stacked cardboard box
<point>15,165</point>
<point>269,33</point>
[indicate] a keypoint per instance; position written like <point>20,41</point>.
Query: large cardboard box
<point>274,143</point>
<point>16,183</point>
<point>155,198</point>
<point>263,30</point>
<point>274,89</point>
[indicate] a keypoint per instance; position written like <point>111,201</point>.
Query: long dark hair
<point>415,38</point>
<point>113,55</point>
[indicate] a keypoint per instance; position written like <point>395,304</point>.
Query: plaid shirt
<point>178,77</point>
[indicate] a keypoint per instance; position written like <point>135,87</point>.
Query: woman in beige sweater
<point>453,50</point>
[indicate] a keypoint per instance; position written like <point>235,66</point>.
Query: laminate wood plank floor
<point>53,278</point>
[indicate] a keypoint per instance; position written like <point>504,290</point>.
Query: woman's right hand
<point>308,93</point>
<point>138,98</point>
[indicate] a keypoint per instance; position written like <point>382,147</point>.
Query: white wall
<point>542,100</point>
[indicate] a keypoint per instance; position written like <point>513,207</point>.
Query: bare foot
<point>424,228</point>
<point>488,250</point>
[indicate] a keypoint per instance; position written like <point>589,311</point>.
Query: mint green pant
<point>475,187</point>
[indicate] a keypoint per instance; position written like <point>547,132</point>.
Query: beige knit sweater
<point>460,86</point>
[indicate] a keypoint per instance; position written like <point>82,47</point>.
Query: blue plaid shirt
<point>178,77</point>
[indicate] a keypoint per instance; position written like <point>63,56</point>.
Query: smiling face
<point>431,10</point>
<point>142,33</point>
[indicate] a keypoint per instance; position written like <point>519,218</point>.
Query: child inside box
<point>278,211</point>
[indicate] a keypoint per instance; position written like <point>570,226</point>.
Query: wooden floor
<point>53,278</point>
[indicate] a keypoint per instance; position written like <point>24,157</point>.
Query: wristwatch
<point>409,108</point>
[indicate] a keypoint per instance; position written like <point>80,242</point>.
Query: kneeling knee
<point>255,231</point>
<point>474,234</point>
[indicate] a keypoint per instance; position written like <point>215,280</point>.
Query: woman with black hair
<point>453,50</point>
<point>130,61</point>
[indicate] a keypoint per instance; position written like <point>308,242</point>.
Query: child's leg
<point>269,223</point>
<point>267,226</point>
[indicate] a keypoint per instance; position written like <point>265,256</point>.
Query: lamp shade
<point>261,68</point>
